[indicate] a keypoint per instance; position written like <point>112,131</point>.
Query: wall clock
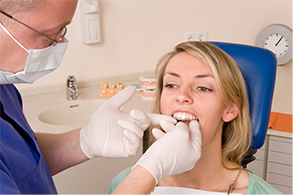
<point>278,39</point>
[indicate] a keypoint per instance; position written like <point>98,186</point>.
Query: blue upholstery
<point>258,67</point>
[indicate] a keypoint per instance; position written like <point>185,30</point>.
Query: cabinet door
<point>279,164</point>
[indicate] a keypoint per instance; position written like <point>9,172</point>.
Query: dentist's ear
<point>230,113</point>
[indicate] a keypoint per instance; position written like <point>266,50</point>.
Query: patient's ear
<point>230,113</point>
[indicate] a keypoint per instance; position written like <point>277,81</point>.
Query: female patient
<point>199,81</point>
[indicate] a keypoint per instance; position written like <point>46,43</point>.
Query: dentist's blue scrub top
<point>23,169</point>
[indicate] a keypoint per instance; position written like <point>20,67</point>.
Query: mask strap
<point>14,38</point>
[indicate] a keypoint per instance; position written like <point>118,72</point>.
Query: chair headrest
<point>258,67</point>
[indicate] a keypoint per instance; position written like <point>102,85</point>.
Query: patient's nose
<point>184,96</point>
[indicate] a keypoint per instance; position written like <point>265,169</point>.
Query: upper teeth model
<point>148,83</point>
<point>183,116</point>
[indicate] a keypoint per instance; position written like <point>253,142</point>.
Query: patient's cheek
<point>165,107</point>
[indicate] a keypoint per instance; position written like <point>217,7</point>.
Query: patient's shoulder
<point>242,183</point>
<point>118,179</point>
<point>258,186</point>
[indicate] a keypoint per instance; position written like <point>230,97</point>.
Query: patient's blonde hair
<point>236,137</point>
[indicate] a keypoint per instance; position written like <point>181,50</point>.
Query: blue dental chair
<point>258,67</point>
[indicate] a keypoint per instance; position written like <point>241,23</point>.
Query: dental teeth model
<point>183,116</point>
<point>111,89</point>
<point>148,83</point>
<point>148,86</point>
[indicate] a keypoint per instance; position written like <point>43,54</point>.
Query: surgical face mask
<point>39,63</point>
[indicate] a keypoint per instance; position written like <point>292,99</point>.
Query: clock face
<point>278,39</point>
<point>276,43</point>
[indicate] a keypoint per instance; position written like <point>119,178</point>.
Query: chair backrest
<point>258,67</point>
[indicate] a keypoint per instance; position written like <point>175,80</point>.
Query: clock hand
<point>279,41</point>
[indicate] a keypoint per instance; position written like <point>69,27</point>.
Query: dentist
<point>32,44</point>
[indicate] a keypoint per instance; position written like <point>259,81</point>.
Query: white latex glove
<point>104,137</point>
<point>175,152</point>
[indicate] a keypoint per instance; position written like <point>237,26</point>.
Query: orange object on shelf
<point>281,122</point>
<point>108,90</point>
<point>103,89</point>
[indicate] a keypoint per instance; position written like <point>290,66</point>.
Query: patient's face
<point>190,89</point>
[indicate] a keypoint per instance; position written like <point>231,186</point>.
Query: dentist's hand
<point>175,152</point>
<point>104,137</point>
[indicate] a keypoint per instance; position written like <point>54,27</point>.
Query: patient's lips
<point>183,116</point>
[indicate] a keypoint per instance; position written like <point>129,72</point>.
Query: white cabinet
<point>279,165</point>
<point>274,163</point>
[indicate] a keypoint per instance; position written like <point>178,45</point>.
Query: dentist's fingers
<point>134,142</point>
<point>133,127</point>
<point>122,97</point>
<point>145,120</point>
<point>140,118</point>
<point>195,129</point>
<point>167,125</point>
<point>195,136</point>
<point>157,118</point>
<point>157,133</point>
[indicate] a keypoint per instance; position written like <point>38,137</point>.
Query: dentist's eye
<point>204,89</point>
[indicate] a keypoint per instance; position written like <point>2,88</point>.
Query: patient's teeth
<point>183,116</point>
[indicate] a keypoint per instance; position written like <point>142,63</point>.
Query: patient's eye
<point>204,89</point>
<point>170,86</point>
